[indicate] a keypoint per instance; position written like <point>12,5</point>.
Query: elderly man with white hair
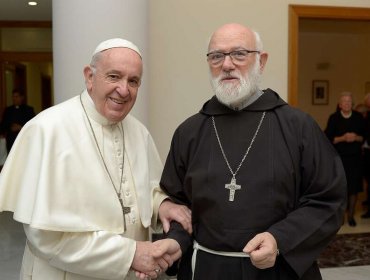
<point>265,186</point>
<point>83,178</point>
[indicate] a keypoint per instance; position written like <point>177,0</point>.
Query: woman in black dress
<point>346,130</point>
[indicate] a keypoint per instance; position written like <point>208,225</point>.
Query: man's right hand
<point>151,259</point>
<point>143,260</point>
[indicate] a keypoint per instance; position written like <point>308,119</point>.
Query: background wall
<point>79,27</point>
<point>34,73</point>
<point>178,36</point>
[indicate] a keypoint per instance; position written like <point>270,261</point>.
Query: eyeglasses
<point>238,57</point>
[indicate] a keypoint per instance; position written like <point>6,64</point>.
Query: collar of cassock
<point>91,110</point>
<point>267,101</point>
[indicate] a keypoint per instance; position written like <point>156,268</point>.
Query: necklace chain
<point>118,192</point>
<point>247,151</point>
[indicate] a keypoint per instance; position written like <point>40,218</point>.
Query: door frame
<point>297,12</point>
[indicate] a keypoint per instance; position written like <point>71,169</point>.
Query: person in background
<point>83,178</point>
<point>266,188</point>
<point>366,149</point>
<point>346,130</point>
<point>15,117</point>
<point>361,108</point>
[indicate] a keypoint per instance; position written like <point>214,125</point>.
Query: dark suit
<point>15,115</point>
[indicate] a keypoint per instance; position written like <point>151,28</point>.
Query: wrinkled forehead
<point>121,52</point>
<point>232,38</point>
<point>345,98</point>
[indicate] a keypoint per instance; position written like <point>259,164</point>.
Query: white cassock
<point>55,182</point>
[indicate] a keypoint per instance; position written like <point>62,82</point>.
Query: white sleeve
<point>98,254</point>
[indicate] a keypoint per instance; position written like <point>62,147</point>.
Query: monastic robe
<point>292,185</point>
<point>55,182</point>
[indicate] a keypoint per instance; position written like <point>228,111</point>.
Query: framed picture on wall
<point>320,92</point>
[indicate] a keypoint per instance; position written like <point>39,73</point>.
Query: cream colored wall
<point>34,73</point>
<point>345,71</point>
<point>179,31</point>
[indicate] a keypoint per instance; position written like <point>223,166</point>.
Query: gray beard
<point>234,96</point>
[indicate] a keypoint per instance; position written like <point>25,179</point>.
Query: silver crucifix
<point>232,187</point>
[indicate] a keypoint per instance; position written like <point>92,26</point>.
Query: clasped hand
<point>151,259</point>
<point>262,250</point>
<point>350,137</point>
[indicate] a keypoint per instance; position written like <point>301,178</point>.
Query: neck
<point>346,114</point>
<point>241,104</point>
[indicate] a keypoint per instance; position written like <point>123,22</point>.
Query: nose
<point>123,88</point>
<point>228,64</point>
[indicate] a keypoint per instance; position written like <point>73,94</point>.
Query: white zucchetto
<point>116,43</point>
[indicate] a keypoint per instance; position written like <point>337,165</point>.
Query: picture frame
<point>320,92</point>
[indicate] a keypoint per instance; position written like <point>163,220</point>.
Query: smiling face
<point>234,81</point>
<point>113,82</point>
<point>233,37</point>
<point>345,104</point>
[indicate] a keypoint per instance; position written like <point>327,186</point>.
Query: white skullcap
<point>116,43</point>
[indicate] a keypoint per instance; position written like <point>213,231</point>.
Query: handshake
<point>151,259</point>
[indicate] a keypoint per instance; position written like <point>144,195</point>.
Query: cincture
<point>197,247</point>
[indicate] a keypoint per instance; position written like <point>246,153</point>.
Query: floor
<point>354,272</point>
<point>12,242</point>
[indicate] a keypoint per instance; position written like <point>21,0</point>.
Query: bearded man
<point>266,188</point>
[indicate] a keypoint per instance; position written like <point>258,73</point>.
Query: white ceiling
<point>19,10</point>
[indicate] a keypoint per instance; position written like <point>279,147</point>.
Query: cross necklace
<point>233,186</point>
<point>125,210</point>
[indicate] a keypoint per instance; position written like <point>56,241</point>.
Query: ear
<point>88,73</point>
<point>263,60</point>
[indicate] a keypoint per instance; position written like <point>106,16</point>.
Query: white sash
<point>197,247</point>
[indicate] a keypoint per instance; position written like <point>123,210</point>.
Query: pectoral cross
<point>232,187</point>
<point>125,210</point>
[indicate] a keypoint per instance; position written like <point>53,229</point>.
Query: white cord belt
<point>197,247</point>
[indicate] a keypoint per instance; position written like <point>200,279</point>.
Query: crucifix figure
<point>125,210</point>
<point>232,187</point>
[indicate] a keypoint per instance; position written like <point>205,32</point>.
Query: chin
<point>115,117</point>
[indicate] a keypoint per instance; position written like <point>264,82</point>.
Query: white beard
<point>235,95</point>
